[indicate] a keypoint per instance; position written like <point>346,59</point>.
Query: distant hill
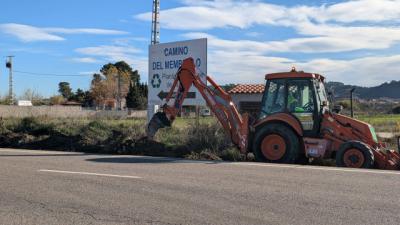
<point>385,90</point>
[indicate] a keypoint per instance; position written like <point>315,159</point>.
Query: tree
<point>78,96</point>
<point>133,97</point>
<point>32,96</point>
<point>396,110</point>
<point>57,100</point>
<point>88,101</point>
<point>65,90</point>
<point>137,95</point>
<point>228,87</point>
<point>97,89</point>
<point>114,77</point>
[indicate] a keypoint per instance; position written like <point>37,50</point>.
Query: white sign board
<point>165,60</point>
<point>24,103</point>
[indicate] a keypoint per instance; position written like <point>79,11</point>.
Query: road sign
<point>164,61</point>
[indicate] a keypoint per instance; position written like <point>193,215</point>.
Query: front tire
<point>355,154</point>
<point>276,143</point>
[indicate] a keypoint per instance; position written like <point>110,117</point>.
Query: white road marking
<point>90,174</point>
<point>319,168</point>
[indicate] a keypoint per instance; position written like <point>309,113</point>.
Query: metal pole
<point>155,25</point>
<point>155,39</point>
<point>351,102</point>
<point>9,65</point>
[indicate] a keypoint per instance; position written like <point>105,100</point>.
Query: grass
<point>383,123</point>
<point>186,138</point>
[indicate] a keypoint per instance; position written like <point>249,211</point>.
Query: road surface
<point>39,187</point>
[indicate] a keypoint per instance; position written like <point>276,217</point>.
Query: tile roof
<point>248,89</point>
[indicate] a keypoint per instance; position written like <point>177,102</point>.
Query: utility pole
<point>155,23</point>
<point>351,102</point>
<point>9,65</point>
<point>155,39</point>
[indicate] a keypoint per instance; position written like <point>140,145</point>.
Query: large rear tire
<point>276,143</point>
<point>355,154</point>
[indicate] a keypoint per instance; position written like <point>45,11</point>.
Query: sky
<point>355,42</point>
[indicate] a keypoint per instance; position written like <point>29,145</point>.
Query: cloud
<point>242,67</point>
<point>214,14</point>
<point>365,71</point>
<point>84,31</point>
<point>248,61</point>
<point>26,33</point>
<point>360,11</point>
<point>112,52</point>
<point>85,60</point>
<point>342,41</point>
<point>208,14</point>
<point>116,52</point>
<point>88,72</point>
<point>328,28</point>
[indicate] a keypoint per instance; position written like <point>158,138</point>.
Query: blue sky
<point>355,42</point>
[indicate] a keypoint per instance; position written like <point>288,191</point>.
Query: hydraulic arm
<point>219,102</point>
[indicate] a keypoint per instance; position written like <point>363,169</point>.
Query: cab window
<point>274,98</point>
<point>300,97</point>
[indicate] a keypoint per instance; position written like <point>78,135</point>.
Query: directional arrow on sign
<point>162,95</point>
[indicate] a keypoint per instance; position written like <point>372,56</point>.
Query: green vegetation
<point>187,138</point>
<point>385,123</point>
<point>206,140</point>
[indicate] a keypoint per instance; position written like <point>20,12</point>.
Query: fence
<point>66,112</point>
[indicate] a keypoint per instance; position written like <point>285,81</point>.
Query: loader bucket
<point>390,160</point>
<point>159,120</point>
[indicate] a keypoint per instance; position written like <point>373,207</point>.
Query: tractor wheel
<point>276,143</point>
<point>355,154</point>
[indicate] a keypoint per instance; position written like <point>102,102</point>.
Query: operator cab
<point>299,94</point>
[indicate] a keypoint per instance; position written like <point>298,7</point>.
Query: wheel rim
<point>273,147</point>
<point>353,158</point>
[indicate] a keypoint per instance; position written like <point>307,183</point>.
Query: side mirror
<point>337,108</point>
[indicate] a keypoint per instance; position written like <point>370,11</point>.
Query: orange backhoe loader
<point>294,123</point>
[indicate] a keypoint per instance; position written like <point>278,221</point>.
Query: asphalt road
<point>38,187</point>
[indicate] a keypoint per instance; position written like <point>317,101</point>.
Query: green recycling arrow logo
<point>156,81</point>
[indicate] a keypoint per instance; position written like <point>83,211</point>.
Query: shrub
<point>207,136</point>
<point>396,110</point>
<point>34,126</point>
<point>95,134</point>
<point>232,154</point>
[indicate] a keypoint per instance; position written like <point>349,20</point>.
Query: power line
<point>51,74</point>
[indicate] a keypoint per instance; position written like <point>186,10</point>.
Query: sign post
<point>164,61</point>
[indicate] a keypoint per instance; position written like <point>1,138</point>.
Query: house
<point>71,103</point>
<point>247,97</point>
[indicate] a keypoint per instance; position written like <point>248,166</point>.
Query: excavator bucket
<point>159,120</point>
<point>389,160</point>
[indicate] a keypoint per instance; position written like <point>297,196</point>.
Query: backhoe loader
<point>294,122</point>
